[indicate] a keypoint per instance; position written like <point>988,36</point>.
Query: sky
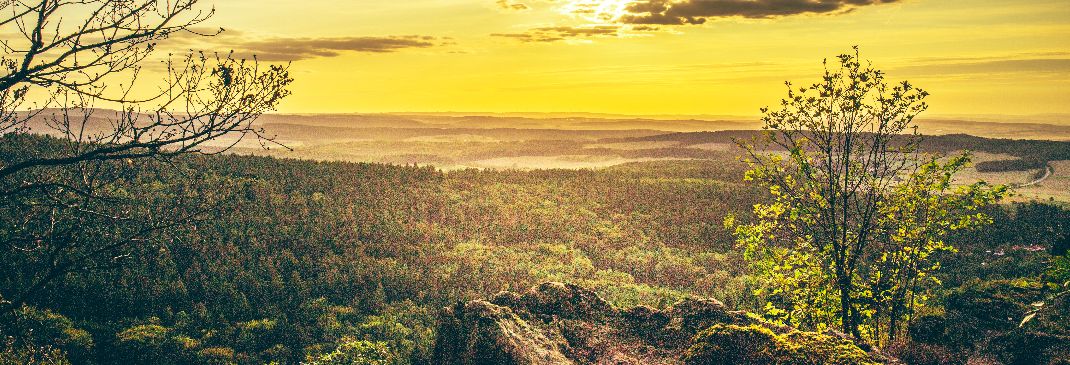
<point>640,57</point>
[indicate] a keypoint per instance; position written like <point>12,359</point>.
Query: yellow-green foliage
<point>355,352</point>
<point>518,267</point>
<point>856,217</point>
<point>215,355</point>
<point>404,328</point>
<point>152,343</point>
<point>255,333</point>
<point>623,291</point>
<point>146,334</point>
<point>757,345</point>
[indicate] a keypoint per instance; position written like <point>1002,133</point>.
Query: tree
<point>856,212</point>
<point>71,57</point>
<point>355,352</point>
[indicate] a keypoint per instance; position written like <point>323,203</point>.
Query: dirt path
<point>1048,171</point>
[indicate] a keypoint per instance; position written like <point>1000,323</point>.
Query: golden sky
<point>647,56</point>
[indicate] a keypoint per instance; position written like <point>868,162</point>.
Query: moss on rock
<point>756,344</point>
<point>555,324</point>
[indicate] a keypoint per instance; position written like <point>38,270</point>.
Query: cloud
<point>645,28</point>
<point>293,49</point>
<point>507,5</point>
<point>1045,67</point>
<point>553,34</point>
<point>680,12</point>
<point>284,49</point>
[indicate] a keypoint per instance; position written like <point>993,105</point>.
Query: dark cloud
<point>645,28</point>
<point>678,12</point>
<point>507,5</point>
<point>273,49</point>
<point>553,34</point>
<point>293,49</point>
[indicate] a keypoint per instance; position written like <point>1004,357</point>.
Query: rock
<point>484,333</point>
<point>565,301</point>
<point>555,323</point>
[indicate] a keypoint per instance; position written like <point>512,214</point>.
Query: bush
<point>990,318</point>
<point>53,333</point>
<point>1058,271</point>
<point>1029,347</point>
<point>15,352</point>
<point>154,344</point>
<point>928,328</point>
<point>406,329</point>
<point>997,305</point>
<point>1061,247</point>
<point>216,355</point>
<point>355,352</point>
<point>256,335</point>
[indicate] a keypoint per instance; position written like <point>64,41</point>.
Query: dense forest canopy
<point>308,255</point>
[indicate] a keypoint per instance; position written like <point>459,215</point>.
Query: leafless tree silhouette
<point>65,60</point>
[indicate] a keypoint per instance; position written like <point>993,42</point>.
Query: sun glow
<point>597,11</point>
<point>974,56</point>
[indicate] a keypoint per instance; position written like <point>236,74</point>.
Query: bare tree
<point>64,59</point>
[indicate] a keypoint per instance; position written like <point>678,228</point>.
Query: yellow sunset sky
<point>712,57</point>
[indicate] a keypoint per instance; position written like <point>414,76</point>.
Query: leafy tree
<point>64,59</point>
<point>856,213</point>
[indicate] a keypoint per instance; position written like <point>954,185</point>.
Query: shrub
<point>53,332</point>
<point>997,305</point>
<point>256,335</point>
<point>154,344</point>
<point>13,352</point>
<point>1059,271</point>
<point>1029,347</point>
<point>215,355</point>
<point>355,352</point>
<point>928,328</point>
<point>406,329</point>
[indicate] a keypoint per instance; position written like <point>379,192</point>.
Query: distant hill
<point>995,129</point>
<point>1028,127</point>
<point>990,127</point>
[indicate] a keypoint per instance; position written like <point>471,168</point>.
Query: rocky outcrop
<point>556,323</point>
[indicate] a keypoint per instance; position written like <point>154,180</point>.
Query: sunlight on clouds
<point>597,11</point>
<point>690,57</point>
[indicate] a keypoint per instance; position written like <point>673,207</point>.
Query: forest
<point>306,257</point>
